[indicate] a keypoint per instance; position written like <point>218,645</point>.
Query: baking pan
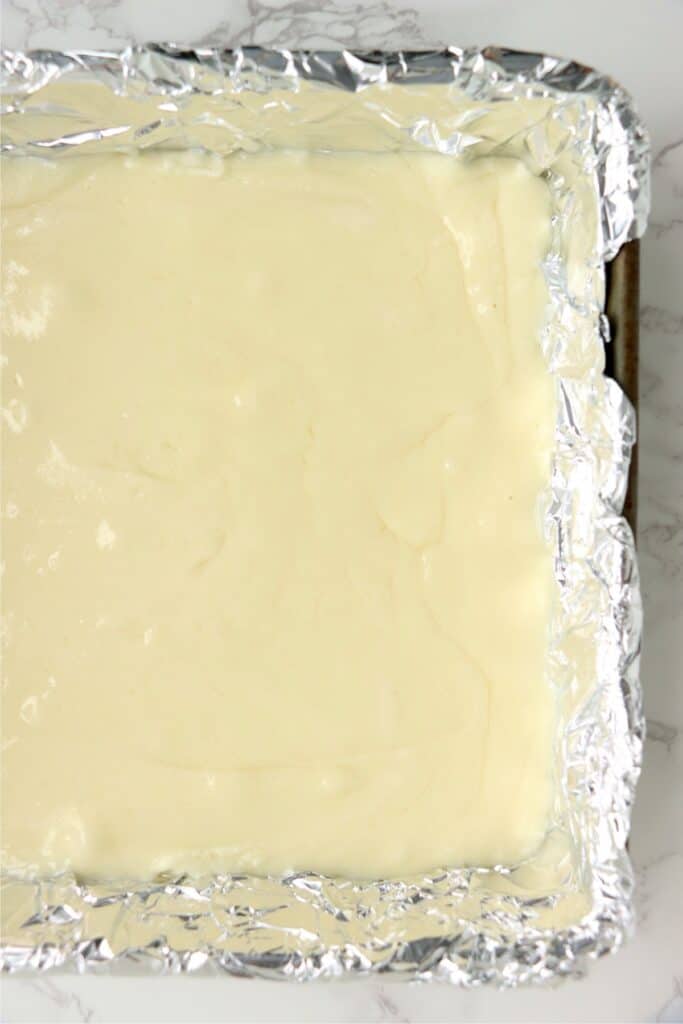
<point>469,926</point>
<point>621,357</point>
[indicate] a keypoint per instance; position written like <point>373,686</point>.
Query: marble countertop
<point>639,44</point>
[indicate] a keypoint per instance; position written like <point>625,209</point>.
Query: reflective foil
<point>572,899</point>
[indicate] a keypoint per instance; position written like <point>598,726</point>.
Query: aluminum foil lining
<point>572,900</point>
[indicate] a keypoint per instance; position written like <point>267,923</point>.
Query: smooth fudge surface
<point>277,438</point>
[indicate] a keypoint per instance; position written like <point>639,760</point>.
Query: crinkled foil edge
<point>229,923</point>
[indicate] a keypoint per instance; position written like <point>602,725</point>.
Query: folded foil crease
<point>467,926</point>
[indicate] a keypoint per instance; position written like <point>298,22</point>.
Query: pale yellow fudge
<point>276,446</point>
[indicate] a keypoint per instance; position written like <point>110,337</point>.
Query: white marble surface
<point>638,43</point>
